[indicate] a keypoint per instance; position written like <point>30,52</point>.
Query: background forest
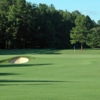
<point>24,25</point>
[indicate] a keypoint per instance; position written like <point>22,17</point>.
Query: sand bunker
<point>19,60</point>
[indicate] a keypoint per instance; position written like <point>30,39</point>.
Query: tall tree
<point>93,38</point>
<point>21,19</point>
<point>27,25</point>
<point>4,8</point>
<point>98,22</point>
<point>81,29</point>
<point>3,26</point>
<point>12,28</point>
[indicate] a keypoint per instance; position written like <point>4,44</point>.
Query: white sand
<point>19,60</point>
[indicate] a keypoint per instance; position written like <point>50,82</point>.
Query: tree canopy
<point>26,25</point>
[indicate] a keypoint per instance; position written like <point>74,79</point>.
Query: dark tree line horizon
<point>25,25</point>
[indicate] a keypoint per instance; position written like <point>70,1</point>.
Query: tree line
<point>28,25</point>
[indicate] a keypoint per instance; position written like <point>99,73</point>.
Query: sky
<point>86,7</point>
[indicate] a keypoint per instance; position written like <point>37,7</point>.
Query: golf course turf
<point>50,75</point>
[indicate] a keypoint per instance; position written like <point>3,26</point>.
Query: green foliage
<point>93,38</point>
<point>27,25</point>
<point>82,26</point>
<point>98,22</point>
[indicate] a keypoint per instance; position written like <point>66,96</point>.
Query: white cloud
<point>88,12</point>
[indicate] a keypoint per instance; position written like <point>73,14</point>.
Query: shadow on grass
<point>3,61</point>
<point>29,51</point>
<point>25,84</point>
<point>5,74</point>
<point>23,65</point>
<point>29,82</point>
<point>4,81</point>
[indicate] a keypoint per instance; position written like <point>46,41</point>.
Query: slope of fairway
<point>54,75</point>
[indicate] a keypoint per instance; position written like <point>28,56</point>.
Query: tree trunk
<point>23,44</point>
<point>81,46</point>
<point>6,44</point>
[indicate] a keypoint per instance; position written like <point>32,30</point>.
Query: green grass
<point>52,75</point>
